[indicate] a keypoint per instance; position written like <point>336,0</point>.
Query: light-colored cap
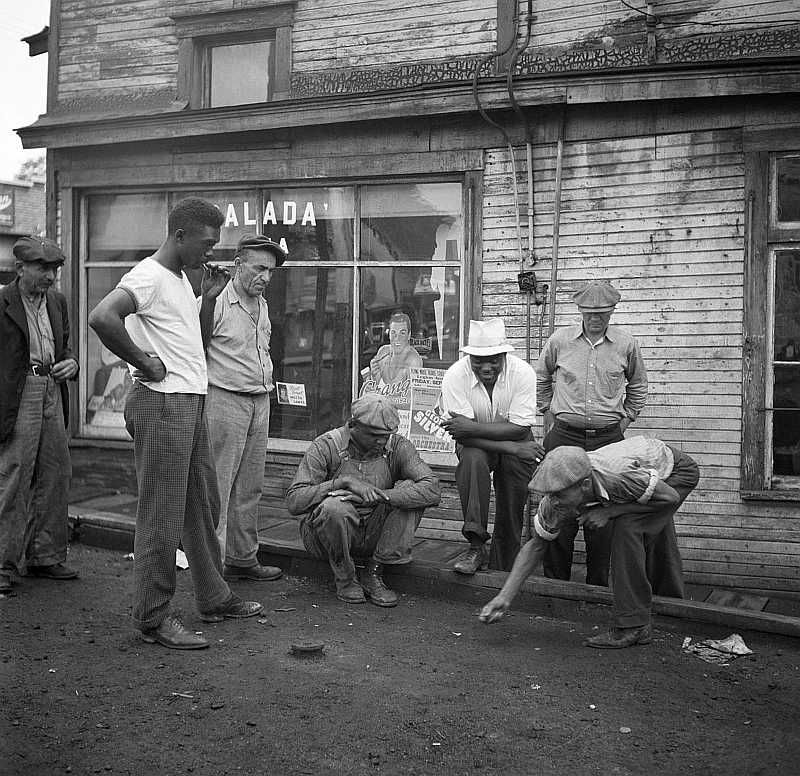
<point>561,468</point>
<point>487,338</point>
<point>598,296</point>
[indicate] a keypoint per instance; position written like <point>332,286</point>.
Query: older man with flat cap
<point>236,331</point>
<point>489,396</point>
<point>635,486</point>
<point>35,361</point>
<point>361,490</point>
<point>591,385</point>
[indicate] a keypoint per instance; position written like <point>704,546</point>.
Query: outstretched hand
<point>494,610</point>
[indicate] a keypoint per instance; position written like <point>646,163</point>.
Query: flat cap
<point>375,411</point>
<point>597,295</point>
<point>258,242</point>
<point>561,468</point>
<point>38,249</point>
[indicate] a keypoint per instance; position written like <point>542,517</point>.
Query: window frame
<point>197,33</point>
<point>469,292</point>
<point>765,237</point>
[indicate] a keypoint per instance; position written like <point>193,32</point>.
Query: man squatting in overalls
<point>361,490</point>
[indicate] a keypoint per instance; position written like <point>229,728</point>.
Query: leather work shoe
<point>350,592</point>
<point>619,638</point>
<point>474,559</point>
<point>5,584</point>
<point>376,591</point>
<point>234,608</point>
<point>256,573</point>
<point>172,633</point>
<point>58,571</point>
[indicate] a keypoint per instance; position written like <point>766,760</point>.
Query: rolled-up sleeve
<point>415,486</point>
<point>312,482</point>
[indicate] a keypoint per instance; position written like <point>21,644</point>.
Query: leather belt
<point>40,370</point>
<point>589,432</point>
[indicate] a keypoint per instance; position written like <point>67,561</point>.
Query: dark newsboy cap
<point>38,249</point>
<point>258,242</point>
<point>375,411</point>
<point>597,295</point>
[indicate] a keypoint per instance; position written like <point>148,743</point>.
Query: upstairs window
<point>228,58</point>
<point>238,73</point>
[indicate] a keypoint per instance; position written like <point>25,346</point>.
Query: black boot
<point>374,587</point>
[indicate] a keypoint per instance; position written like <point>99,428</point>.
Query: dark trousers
<point>474,474</point>
<point>644,552</point>
<point>558,554</point>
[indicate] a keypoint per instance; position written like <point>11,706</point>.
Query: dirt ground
<point>424,688</point>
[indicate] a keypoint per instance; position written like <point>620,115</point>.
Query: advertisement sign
<point>6,205</point>
<point>417,399</point>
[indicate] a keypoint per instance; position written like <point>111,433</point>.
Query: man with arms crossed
<point>150,320</point>
<point>489,396</point>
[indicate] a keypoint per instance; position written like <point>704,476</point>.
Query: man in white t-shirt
<point>151,321</point>
<point>490,398</point>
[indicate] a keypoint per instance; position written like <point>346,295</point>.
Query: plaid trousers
<point>178,502</point>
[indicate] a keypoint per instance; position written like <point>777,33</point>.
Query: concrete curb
<point>548,597</point>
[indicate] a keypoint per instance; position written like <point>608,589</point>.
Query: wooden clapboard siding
<point>562,24</point>
<point>112,47</point>
<point>357,33</point>
<point>662,216</point>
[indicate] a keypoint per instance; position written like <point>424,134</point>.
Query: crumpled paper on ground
<point>718,651</point>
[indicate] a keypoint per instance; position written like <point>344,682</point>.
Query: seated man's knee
<point>333,511</point>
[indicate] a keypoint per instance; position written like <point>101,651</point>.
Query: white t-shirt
<point>166,324</point>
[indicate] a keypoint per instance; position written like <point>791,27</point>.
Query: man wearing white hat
<point>489,397</point>
<point>635,486</point>
<point>591,384</point>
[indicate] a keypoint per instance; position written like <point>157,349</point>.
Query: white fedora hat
<point>487,338</point>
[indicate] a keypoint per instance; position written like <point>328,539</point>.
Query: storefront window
<point>786,365</point>
<point>787,190</point>
<point>125,227</point>
<point>344,311</point>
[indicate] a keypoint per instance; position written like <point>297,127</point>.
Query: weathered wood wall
<point>109,49</point>
<point>651,200</point>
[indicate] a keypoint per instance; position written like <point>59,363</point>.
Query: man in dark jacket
<point>34,456</point>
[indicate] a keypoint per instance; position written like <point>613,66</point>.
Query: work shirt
<point>591,386</point>
<point>40,333</point>
<point>623,473</point>
<point>513,398</point>
<point>414,484</point>
<point>166,324</point>
<point>238,352</point>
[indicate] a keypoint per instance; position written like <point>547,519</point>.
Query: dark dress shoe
<point>256,573</point>
<point>619,638</point>
<point>58,571</point>
<point>234,608</point>
<point>350,592</point>
<point>471,561</point>
<point>172,633</point>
